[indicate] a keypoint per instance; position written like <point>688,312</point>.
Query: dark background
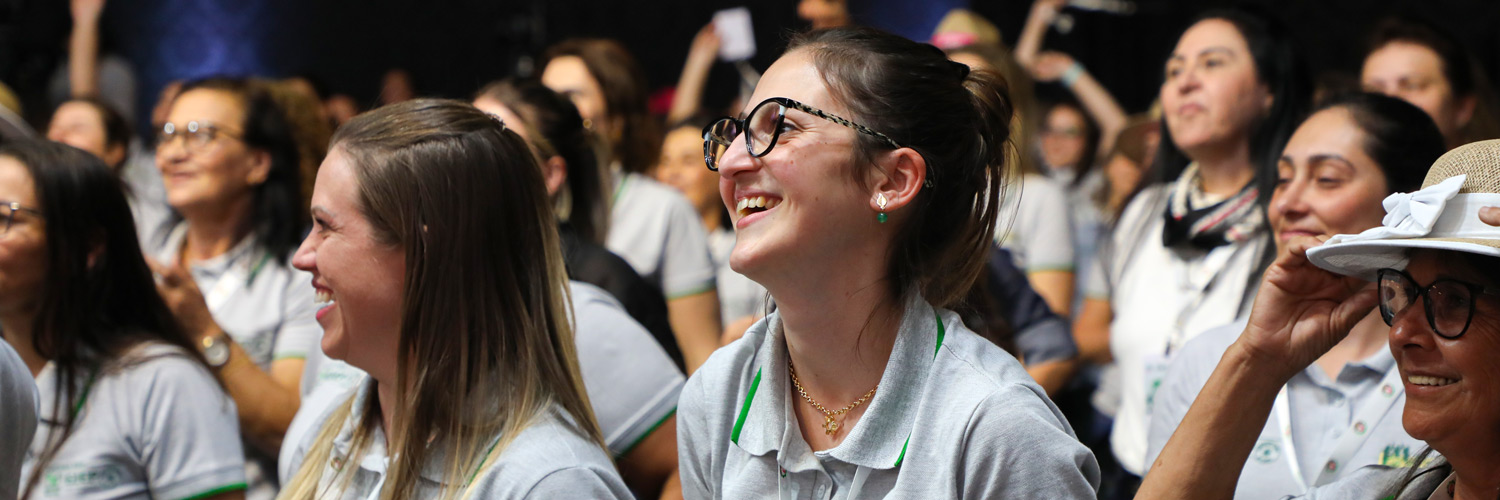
<point>451,47</point>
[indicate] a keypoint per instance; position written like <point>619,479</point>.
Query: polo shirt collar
<point>879,439</point>
<point>172,252</point>
<point>377,457</point>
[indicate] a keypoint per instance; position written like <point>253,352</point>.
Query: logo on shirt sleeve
<point>1266,451</point>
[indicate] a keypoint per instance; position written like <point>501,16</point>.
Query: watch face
<point>216,352</point>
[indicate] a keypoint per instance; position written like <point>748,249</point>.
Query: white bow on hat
<point>1409,215</point>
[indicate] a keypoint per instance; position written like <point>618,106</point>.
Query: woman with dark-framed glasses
<point>1436,270</point>
<point>229,163</point>
<point>863,185</point>
<point>128,407</point>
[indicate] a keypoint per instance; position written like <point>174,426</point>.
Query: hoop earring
<point>880,201</point>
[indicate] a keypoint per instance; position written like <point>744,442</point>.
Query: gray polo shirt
<point>1377,481</point>
<point>159,428</point>
<point>549,459</point>
<point>266,306</point>
<point>655,229</point>
<point>632,384</point>
<point>1352,420</point>
<point>18,408</point>
<point>965,423</point>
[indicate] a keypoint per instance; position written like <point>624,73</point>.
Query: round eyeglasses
<point>1449,303</point>
<point>196,135</point>
<point>764,128</point>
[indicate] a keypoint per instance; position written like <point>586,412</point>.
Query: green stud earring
<point>880,202</point>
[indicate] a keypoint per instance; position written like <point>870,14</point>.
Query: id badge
<point>1155,368</point>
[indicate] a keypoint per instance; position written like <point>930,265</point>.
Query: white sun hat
<point>1443,215</point>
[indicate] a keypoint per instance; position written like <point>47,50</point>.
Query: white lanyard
<point>1366,416</point>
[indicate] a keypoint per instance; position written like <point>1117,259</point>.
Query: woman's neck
<point>17,327</point>
<point>211,233</point>
<point>1478,474</point>
<point>1224,172</point>
<point>840,328</point>
<point>385,395</point>
<point>1367,337</point>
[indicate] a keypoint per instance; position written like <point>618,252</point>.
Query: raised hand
<point>705,47</point>
<point>1301,311</point>
<point>88,10</point>
<point>181,293</point>
<point>1050,66</point>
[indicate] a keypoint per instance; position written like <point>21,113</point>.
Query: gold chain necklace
<point>830,426</point>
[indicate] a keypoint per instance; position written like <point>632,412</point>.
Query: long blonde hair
<point>486,346</point>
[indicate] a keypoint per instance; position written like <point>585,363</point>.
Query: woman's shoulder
<point>552,458</point>
<point>156,360</point>
<point>729,368</point>
<point>981,375</point>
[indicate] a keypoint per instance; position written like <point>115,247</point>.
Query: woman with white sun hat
<point>1436,267</point>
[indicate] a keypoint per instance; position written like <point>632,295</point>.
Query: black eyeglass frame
<point>10,215</point>
<point>742,125</point>
<point>1417,290</point>
<point>169,133</point>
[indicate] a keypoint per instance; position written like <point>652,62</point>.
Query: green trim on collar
<point>941,332</point>
<point>739,424</point>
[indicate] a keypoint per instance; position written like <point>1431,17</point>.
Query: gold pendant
<point>829,426</point>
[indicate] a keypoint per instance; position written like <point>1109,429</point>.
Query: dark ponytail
<point>958,120</point>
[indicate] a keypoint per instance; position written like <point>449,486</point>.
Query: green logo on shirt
<point>76,479</point>
<point>1395,455</point>
<point>1266,451</point>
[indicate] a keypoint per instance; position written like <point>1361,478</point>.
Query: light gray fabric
<point>550,459</point>
<point>967,423</point>
<point>160,428</point>
<point>1321,409</point>
<point>18,411</point>
<point>1376,482</point>
<point>1035,224</point>
<point>739,297</point>
<point>272,316</point>
<point>656,230</point>
<point>632,384</point>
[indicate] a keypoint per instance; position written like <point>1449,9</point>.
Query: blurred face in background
<point>681,166</point>
<point>1212,98</point>
<point>212,171</point>
<point>81,125</point>
<point>1063,137</point>
<point>567,75</point>
<point>1414,73</point>
<point>23,248</point>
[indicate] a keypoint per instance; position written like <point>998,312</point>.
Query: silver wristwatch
<point>216,350</point>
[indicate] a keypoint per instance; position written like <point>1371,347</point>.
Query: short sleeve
<point>300,332</point>
<point>577,482</point>
<point>1019,450</point>
<point>630,399</point>
<point>190,436</point>
<point>18,418</point>
<point>687,267</point>
<point>1046,226</point>
<point>1095,283</point>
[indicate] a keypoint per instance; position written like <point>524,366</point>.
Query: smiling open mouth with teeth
<point>1432,381</point>
<point>755,204</point>
<point>323,297</point>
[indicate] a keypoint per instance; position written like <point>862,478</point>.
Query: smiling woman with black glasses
<point>229,164</point>
<point>864,190</point>
<point>1436,268</point>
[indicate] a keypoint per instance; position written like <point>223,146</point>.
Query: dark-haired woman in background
<point>128,406</point>
<point>1186,253</point>
<point>1424,65</point>
<point>651,226</point>
<point>865,201</point>
<point>1343,160</point>
<point>92,125</point>
<point>632,382</point>
<point>230,166</point>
